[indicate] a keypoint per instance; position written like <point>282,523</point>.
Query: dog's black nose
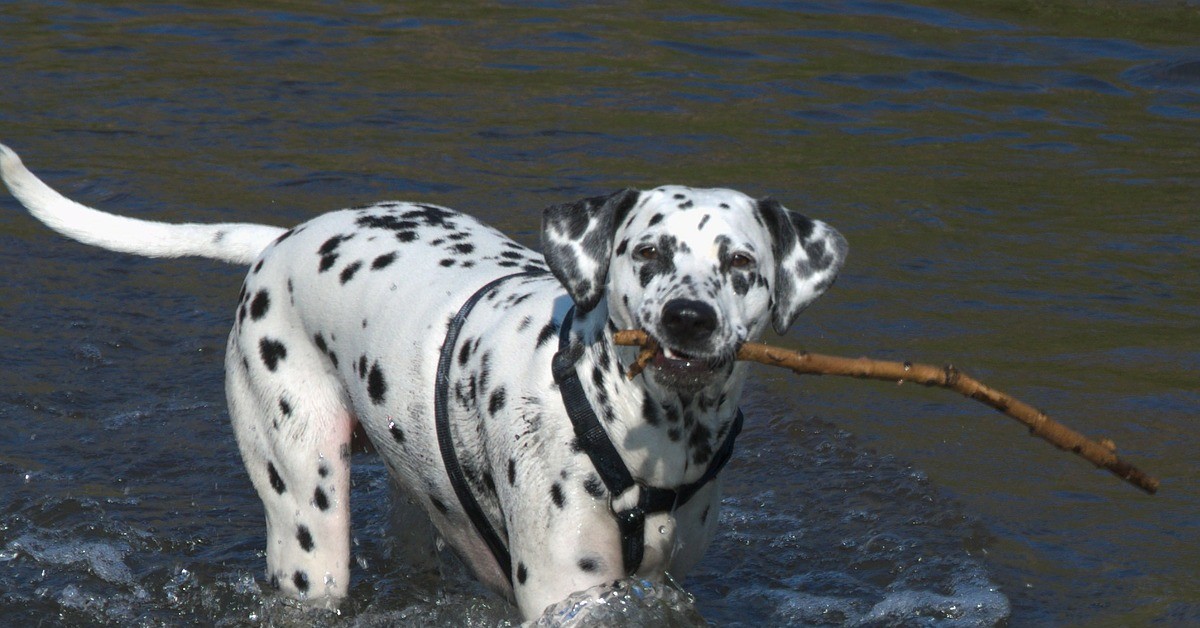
<point>687,321</point>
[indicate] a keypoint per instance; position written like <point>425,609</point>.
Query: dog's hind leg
<point>293,428</point>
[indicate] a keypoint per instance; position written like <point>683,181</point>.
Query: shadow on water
<point>1017,181</point>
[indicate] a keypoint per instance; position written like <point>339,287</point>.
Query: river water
<point>1018,182</point>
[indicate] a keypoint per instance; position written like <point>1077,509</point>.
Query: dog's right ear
<point>577,240</point>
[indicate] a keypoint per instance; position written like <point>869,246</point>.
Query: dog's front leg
<point>562,550</point>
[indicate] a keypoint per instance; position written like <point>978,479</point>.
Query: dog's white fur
<point>342,318</point>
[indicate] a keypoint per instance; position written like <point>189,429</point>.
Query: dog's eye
<point>741,260</point>
<point>646,252</point>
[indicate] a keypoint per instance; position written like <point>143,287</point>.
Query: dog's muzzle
<point>685,355</point>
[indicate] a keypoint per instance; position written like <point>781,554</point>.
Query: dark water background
<point>1018,181</point>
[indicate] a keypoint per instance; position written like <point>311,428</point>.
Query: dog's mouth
<point>679,362</point>
<point>685,371</point>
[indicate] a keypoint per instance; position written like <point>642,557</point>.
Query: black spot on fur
<point>522,573</point>
<point>512,472</point>
<point>437,503</point>
<point>464,248</point>
<point>556,494</point>
<point>286,234</point>
<point>276,481</point>
<point>650,411</point>
<point>605,358</point>
<point>319,340</point>
<point>740,283</point>
<point>349,271</point>
<point>376,386</point>
<point>383,261</point>
<point>305,538</point>
<point>272,352</point>
<point>331,244</point>
<point>496,401</point>
<point>485,370</point>
<point>320,500</point>
<point>699,444</point>
<point>589,565</point>
<point>301,581</point>
<point>594,486</point>
<point>285,407</point>
<point>431,216</point>
<point>447,262</point>
<point>655,219</point>
<point>546,334</point>
<point>328,251</point>
<point>397,433</point>
<point>388,222</point>
<point>260,305</point>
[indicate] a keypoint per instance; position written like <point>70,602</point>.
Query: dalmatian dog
<point>342,325</point>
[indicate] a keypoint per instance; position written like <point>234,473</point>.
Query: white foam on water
<point>105,560</point>
<point>628,602</point>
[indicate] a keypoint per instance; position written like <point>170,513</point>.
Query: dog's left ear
<point>577,240</point>
<point>808,256</point>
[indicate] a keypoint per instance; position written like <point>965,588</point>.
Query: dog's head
<point>699,270</point>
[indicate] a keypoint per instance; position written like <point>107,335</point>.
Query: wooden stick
<point>1103,454</point>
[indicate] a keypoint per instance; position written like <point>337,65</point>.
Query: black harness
<point>590,435</point>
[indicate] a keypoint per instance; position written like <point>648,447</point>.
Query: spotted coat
<point>340,322</point>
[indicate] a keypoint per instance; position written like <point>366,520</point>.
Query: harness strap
<point>441,411</point>
<point>608,463</point>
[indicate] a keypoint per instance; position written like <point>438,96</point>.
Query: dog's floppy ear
<point>577,239</point>
<point>808,256</point>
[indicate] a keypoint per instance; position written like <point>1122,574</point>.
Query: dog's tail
<point>236,243</point>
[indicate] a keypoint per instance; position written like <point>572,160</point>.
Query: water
<point>1018,182</point>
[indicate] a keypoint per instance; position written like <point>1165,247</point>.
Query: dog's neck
<point>666,437</point>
